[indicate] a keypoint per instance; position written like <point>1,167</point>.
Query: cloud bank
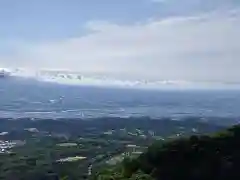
<point>204,47</point>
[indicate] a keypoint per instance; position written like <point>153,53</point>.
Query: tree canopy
<point>195,158</point>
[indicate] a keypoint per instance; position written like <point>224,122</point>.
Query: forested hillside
<point>195,158</point>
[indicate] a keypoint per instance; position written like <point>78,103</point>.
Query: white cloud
<point>205,47</point>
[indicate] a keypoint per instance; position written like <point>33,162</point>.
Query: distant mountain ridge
<point>4,73</point>
<point>78,78</point>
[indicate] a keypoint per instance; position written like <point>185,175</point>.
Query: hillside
<point>74,149</point>
<point>195,158</point>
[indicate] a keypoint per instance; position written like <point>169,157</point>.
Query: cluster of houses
<point>6,146</point>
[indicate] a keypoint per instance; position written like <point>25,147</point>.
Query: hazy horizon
<point>191,40</point>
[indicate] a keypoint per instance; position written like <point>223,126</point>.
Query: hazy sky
<point>160,39</point>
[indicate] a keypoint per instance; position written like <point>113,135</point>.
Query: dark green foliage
<point>196,158</point>
<point>36,156</point>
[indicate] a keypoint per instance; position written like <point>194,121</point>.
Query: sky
<point>192,40</point>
